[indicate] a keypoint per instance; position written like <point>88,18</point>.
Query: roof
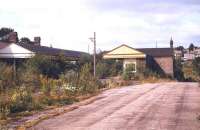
<point>51,51</point>
<point>3,45</point>
<point>157,52</point>
<point>122,52</point>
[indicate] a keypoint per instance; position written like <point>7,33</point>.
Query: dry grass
<point>58,111</point>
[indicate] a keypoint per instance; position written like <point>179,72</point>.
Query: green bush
<point>196,67</point>
<point>87,83</point>
<point>42,81</point>
<point>4,106</point>
<point>128,74</point>
<point>102,70</point>
<point>178,70</point>
<point>22,100</point>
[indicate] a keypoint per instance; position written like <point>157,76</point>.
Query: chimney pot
<point>13,37</point>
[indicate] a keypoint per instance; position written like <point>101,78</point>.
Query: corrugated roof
<point>52,51</point>
<point>157,52</point>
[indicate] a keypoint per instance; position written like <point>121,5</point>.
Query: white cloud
<point>69,24</point>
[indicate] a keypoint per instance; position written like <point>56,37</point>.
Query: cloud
<point>69,24</point>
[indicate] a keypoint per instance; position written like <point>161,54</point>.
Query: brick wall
<point>166,63</point>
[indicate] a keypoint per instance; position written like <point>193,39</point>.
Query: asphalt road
<point>161,106</point>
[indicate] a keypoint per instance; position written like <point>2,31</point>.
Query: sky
<point>68,24</point>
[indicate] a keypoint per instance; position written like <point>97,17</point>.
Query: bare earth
<point>161,106</point>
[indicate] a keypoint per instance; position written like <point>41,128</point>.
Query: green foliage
<point>178,70</point>
<point>196,65</point>
<point>6,83</point>
<point>87,83</point>
<point>43,81</point>
<point>6,76</point>
<point>4,31</point>
<point>51,67</point>
<point>191,47</point>
<point>180,48</point>
<point>151,73</point>
<point>24,40</point>
<point>102,70</point>
<point>4,105</point>
<point>85,59</point>
<point>189,72</point>
<point>21,100</point>
<point>108,68</point>
<point>128,73</point>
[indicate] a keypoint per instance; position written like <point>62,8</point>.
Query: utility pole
<point>93,39</point>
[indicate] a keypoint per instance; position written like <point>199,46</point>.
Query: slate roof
<point>157,52</point>
<point>52,51</point>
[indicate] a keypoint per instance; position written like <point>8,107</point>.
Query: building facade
<point>159,60</point>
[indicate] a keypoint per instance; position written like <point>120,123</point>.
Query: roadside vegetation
<point>191,70</point>
<point>43,81</point>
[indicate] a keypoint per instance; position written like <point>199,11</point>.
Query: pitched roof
<point>122,52</point>
<point>52,51</point>
<point>157,52</point>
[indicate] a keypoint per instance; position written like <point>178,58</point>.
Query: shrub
<point>196,67</point>
<point>4,105</point>
<point>178,70</point>
<point>21,100</point>
<point>87,83</point>
<point>102,70</point>
<point>6,76</point>
<point>128,74</point>
<point>46,86</point>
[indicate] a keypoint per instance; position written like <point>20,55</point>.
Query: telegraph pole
<point>93,39</point>
<point>94,54</point>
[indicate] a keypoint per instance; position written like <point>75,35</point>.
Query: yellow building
<point>158,59</point>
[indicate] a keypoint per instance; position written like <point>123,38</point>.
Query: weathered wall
<point>141,65</point>
<point>166,63</point>
<point>161,65</point>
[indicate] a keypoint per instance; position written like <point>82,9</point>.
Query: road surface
<point>160,106</point>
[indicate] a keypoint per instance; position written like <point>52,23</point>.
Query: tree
<point>24,40</point>
<point>178,70</point>
<point>4,31</point>
<point>4,34</point>
<point>180,48</point>
<point>191,47</point>
<point>196,65</point>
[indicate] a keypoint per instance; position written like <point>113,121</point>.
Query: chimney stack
<point>13,37</point>
<point>37,41</point>
<point>171,43</point>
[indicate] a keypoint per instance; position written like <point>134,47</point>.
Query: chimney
<point>171,43</point>
<point>37,41</point>
<point>13,37</point>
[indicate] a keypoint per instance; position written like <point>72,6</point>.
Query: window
<point>131,67</point>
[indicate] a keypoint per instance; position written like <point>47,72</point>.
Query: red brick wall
<point>166,63</point>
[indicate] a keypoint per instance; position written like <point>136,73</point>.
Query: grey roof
<point>52,51</point>
<point>157,52</point>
